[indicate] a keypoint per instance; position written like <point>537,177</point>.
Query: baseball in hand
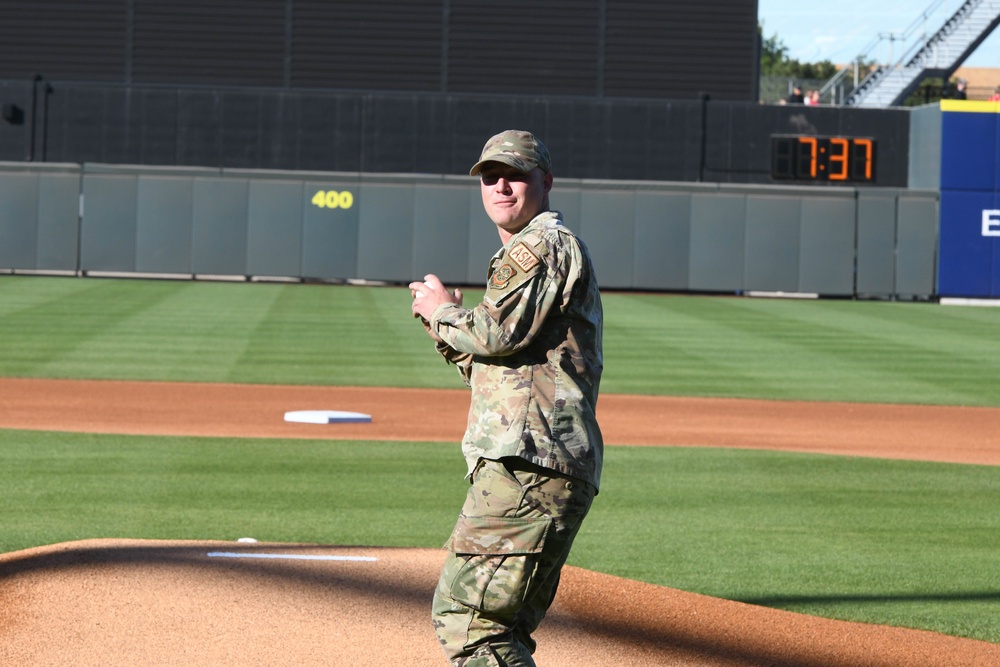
<point>418,292</point>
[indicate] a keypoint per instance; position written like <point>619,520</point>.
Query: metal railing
<point>918,43</point>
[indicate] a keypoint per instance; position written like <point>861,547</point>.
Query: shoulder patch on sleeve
<point>500,278</point>
<point>522,255</point>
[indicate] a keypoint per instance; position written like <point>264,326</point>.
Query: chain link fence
<point>777,89</point>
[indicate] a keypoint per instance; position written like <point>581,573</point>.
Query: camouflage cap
<point>516,148</point>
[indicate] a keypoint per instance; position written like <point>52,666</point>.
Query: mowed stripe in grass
<point>357,335</point>
<point>802,350</point>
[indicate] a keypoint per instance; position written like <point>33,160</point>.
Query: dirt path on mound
<point>137,602</point>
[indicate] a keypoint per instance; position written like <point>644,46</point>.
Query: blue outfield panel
<point>969,243</point>
<point>965,256</point>
<point>991,232</point>
<point>996,148</point>
<point>968,148</point>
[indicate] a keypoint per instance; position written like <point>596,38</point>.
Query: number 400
<point>333,199</point>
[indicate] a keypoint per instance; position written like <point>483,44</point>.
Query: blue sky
<point>840,31</point>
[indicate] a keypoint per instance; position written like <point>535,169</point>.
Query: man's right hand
<point>430,294</point>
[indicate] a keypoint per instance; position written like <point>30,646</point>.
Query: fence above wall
<point>686,140</point>
<point>99,219</point>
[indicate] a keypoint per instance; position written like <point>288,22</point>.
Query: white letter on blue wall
<point>991,222</point>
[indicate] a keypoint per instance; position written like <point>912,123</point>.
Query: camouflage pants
<point>509,544</point>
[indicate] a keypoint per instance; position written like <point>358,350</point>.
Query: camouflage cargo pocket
<point>498,535</point>
<point>497,561</point>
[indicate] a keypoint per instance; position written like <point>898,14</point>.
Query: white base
<point>327,417</point>
<point>946,301</point>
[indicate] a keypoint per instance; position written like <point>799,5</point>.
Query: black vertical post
<point>46,92</point>
<point>37,81</point>
<point>704,136</point>
<point>34,116</point>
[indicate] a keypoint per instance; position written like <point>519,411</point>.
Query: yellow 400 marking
<point>333,199</point>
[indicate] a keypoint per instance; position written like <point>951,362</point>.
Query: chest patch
<point>523,257</point>
<point>502,276</point>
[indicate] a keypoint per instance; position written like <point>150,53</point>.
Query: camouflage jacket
<point>531,352</point>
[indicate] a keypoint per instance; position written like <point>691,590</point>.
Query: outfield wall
<point>195,223</point>
<point>970,200</point>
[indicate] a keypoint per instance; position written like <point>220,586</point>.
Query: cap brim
<point>514,161</point>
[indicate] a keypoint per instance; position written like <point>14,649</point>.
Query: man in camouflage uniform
<point>531,352</point>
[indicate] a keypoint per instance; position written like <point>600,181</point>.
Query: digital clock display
<point>815,158</point>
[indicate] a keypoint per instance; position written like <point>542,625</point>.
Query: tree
<point>774,61</point>
<point>773,53</point>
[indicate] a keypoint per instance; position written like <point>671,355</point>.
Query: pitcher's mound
<point>151,603</point>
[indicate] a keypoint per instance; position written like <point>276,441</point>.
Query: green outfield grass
<point>341,335</point>
<point>904,543</point>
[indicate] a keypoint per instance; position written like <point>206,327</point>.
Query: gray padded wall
<point>163,224</point>
<point>827,244</point>
<point>58,241</point>
<point>441,233</point>
<point>607,226</point>
<point>385,237</point>
<point>39,217</point>
<point>772,244</point>
<point>219,222</point>
<point>330,230</point>
<point>876,243</point>
<point>274,227</point>
<point>718,239</point>
<point>794,239</point>
<point>396,228</point>
<point>109,225</point>
<point>662,240</point>
<point>18,202</point>
<point>916,244</point>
